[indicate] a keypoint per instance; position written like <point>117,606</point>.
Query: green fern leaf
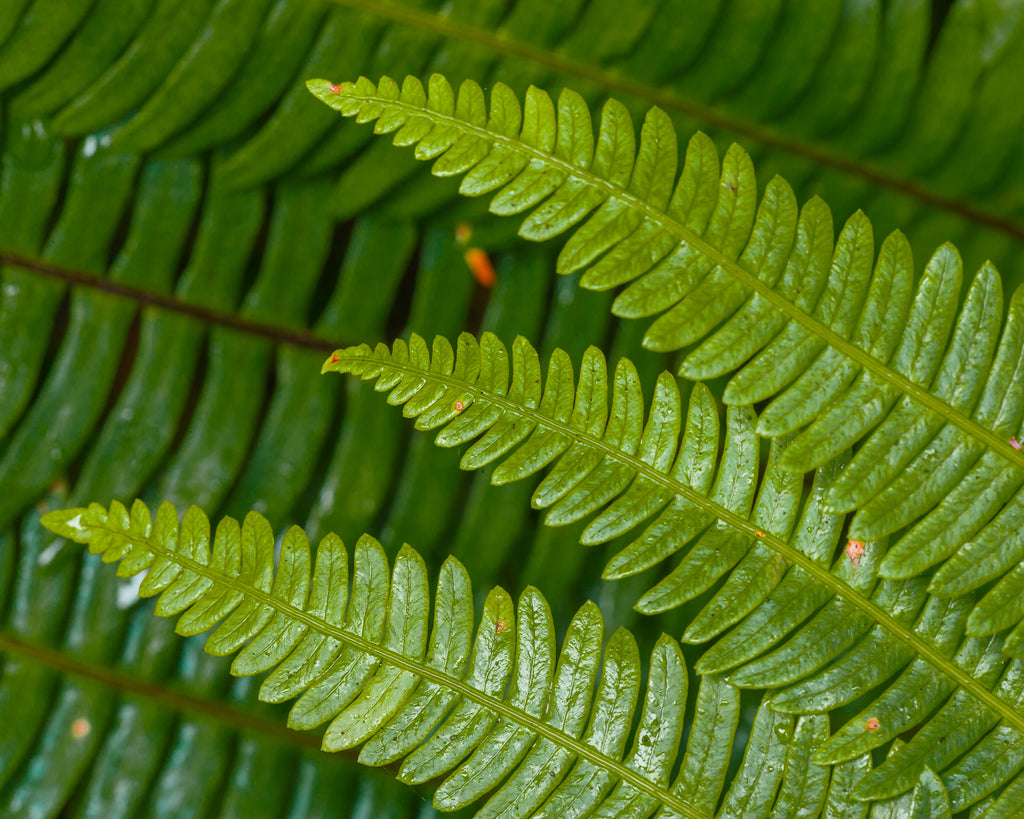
<point>605,460</point>
<point>928,799</point>
<point>960,727</point>
<point>1008,803</point>
<point>701,253</point>
<point>362,661</point>
<point>844,776</point>
<point>804,787</point>
<point>956,728</point>
<point>994,761</point>
<point>825,637</point>
<point>854,358</point>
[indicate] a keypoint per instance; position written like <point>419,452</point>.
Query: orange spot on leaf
<point>759,533</point>
<point>459,406</point>
<point>80,728</point>
<point>335,89</point>
<point>335,358</point>
<point>499,626</point>
<point>854,550</point>
<point>1015,444</point>
<point>480,266</point>
<point>872,724</point>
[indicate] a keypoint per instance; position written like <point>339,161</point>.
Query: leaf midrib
<point>143,298</point>
<point>420,670</point>
<point>235,717</point>
<point>908,637</point>
<point>988,438</point>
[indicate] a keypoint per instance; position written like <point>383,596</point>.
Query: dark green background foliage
<point>185,231</point>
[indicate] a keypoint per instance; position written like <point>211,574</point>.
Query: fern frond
<point>605,461</point>
<point>362,660</point>
<point>503,715</point>
<point>741,280</point>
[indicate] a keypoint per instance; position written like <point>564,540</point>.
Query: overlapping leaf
<point>826,636</point>
<point>847,349</point>
<point>498,713</point>
<point>730,280</point>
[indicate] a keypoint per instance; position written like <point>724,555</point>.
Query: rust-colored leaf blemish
<point>854,550</point>
<point>480,266</point>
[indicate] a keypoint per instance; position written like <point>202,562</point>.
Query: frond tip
<point>501,712</point>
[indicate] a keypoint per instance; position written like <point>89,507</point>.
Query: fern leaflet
<point>363,661</point>
<point>604,460</point>
<point>764,283</point>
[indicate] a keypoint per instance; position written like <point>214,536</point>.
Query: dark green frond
<point>859,89</point>
<point>700,253</point>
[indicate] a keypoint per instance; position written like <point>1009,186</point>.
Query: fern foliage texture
<point>165,158</point>
<point>822,635</point>
<point>502,714</point>
<point>843,347</point>
<point>836,337</point>
<point>507,717</point>
<point>843,350</point>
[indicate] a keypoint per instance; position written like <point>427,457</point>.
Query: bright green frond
<point>503,714</point>
<point>834,336</point>
<point>823,636</point>
<point>607,462</point>
<point>506,717</point>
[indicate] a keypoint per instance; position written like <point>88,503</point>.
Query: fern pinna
<point>503,710</point>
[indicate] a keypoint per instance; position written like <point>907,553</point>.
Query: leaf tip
<point>331,364</point>
<point>322,89</point>
<point>335,95</point>
<point>66,523</point>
